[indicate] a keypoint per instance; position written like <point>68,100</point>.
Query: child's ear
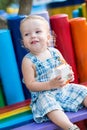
<point>50,40</point>
<point>48,36</point>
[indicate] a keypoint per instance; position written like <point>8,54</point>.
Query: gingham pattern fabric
<point>67,98</point>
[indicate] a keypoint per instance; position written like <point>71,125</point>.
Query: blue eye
<point>26,34</point>
<point>38,31</point>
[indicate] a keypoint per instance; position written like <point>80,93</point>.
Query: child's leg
<point>85,101</point>
<point>60,119</point>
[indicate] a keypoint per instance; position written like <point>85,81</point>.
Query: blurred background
<point>33,6</point>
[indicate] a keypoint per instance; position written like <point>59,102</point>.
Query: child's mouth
<point>34,42</point>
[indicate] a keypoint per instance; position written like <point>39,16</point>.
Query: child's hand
<point>57,82</point>
<point>71,75</point>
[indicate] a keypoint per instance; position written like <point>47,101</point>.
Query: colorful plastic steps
<point>74,117</point>
<point>15,106</point>
<point>60,25</point>
<point>15,115</point>
<point>9,75</point>
<point>2,98</point>
<point>14,112</point>
<point>79,36</point>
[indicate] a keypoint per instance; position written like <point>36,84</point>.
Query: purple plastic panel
<point>78,116</point>
<point>74,117</point>
<point>42,126</point>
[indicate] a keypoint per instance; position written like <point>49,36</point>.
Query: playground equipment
<point>18,116</point>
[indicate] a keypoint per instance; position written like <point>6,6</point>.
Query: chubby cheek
<point>25,41</point>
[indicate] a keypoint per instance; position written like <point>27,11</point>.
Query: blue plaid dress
<point>68,98</point>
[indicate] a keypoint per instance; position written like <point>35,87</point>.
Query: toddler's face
<point>35,34</point>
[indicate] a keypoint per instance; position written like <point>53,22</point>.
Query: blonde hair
<point>36,17</point>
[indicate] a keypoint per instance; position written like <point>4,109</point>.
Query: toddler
<point>51,95</point>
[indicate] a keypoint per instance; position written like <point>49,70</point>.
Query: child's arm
<point>28,70</point>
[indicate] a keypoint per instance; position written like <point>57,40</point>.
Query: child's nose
<point>33,35</point>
